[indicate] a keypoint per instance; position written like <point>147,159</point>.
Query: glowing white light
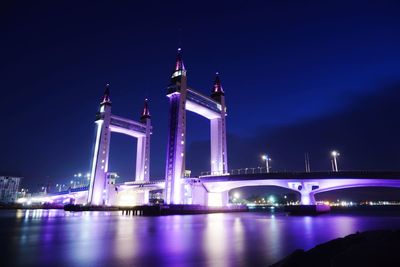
<point>335,153</point>
<point>236,195</point>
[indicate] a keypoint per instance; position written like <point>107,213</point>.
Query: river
<point>58,238</point>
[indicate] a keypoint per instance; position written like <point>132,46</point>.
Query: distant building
<point>9,187</point>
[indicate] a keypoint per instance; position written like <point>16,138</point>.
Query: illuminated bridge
<point>213,190</point>
<point>209,190</point>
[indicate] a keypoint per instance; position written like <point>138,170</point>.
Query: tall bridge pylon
<point>181,99</point>
<point>106,123</point>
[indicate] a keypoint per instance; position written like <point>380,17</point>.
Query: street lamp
<point>267,160</point>
<point>335,154</point>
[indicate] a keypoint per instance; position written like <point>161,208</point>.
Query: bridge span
<point>214,190</point>
<point>307,184</point>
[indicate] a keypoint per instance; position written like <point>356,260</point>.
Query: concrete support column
<point>219,199</point>
<point>143,155</point>
<point>307,198</point>
<point>146,195</point>
<point>218,146</point>
<point>175,167</point>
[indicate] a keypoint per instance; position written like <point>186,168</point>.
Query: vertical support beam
<point>223,140</point>
<point>175,165</point>
<point>146,195</point>
<point>100,156</point>
<point>219,161</point>
<point>219,164</point>
<point>143,154</point>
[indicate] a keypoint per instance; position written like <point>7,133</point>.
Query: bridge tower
<point>106,123</point>
<point>181,99</point>
<point>101,151</point>
<point>143,147</point>
<point>175,168</point>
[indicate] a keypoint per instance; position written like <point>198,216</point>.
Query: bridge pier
<point>218,199</point>
<point>200,196</point>
<point>307,198</point>
<point>306,190</point>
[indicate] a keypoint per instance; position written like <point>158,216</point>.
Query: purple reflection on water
<point>58,238</point>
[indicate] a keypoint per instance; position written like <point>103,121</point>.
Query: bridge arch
<point>215,193</point>
<point>361,185</point>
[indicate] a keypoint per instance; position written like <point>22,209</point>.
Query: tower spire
<point>217,88</point>
<point>146,111</point>
<point>106,95</point>
<point>179,68</point>
<point>179,62</point>
<point>217,91</point>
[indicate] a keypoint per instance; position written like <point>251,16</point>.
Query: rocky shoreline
<point>371,248</point>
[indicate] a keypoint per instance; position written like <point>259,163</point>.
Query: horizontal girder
<point>128,127</point>
<point>202,105</point>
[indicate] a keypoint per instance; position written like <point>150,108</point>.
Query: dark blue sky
<point>298,75</point>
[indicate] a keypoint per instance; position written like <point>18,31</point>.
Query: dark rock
<point>372,248</point>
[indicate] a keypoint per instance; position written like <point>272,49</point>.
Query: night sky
<point>299,76</point>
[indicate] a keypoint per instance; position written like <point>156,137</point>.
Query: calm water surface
<point>58,238</point>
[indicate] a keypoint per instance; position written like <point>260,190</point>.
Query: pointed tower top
<point>106,95</point>
<point>217,91</point>
<point>217,88</point>
<point>179,62</point>
<point>146,111</point>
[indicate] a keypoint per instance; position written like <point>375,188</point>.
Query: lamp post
<point>335,154</point>
<point>267,159</point>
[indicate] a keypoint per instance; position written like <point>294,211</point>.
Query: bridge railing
<point>238,171</point>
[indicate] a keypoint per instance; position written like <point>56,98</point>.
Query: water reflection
<point>58,238</point>
<point>215,240</point>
